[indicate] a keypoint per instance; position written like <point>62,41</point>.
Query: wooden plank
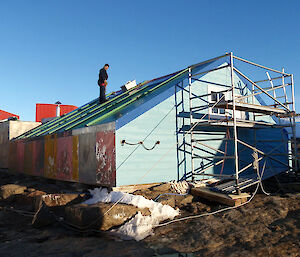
<point>239,123</point>
<point>230,200</point>
<point>132,188</point>
<point>250,107</point>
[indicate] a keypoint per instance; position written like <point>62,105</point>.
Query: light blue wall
<point>139,167</point>
<point>160,164</point>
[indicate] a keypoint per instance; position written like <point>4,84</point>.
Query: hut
<point>206,120</point>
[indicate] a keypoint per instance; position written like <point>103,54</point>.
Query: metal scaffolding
<point>220,116</point>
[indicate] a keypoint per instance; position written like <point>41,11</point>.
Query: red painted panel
<point>5,115</point>
<point>49,110</point>
<point>106,158</point>
<point>28,157</point>
<point>12,157</point>
<point>20,155</point>
<point>50,170</point>
<point>44,111</point>
<point>67,108</point>
<point>64,158</point>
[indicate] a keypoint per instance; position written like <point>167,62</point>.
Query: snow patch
<point>139,226</point>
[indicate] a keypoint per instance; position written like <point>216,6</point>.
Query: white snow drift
<point>139,226</point>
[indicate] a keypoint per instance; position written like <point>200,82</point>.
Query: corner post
<point>235,136</point>
<point>295,150</point>
<point>191,121</point>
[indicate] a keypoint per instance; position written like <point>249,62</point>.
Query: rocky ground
<point>267,226</point>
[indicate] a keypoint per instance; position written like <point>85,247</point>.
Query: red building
<point>5,115</point>
<point>49,110</point>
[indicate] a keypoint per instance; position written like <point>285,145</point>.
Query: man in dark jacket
<point>102,82</point>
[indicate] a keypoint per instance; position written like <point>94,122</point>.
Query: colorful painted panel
<point>86,157</point>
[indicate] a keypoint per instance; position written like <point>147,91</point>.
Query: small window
<point>217,97</point>
<point>214,96</point>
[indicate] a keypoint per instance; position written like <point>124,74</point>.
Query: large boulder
<point>49,206</point>
<point>9,190</point>
<point>52,200</point>
<point>175,200</point>
<point>163,187</point>
<point>188,199</point>
<point>29,198</point>
<point>167,200</point>
<point>94,216</point>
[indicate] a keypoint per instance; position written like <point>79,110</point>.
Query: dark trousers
<point>102,98</point>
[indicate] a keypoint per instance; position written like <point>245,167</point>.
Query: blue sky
<point>52,50</point>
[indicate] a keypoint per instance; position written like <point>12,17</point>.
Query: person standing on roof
<point>102,82</point>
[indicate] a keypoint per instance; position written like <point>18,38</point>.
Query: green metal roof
<point>93,113</point>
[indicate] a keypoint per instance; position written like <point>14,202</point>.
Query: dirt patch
<point>267,226</point>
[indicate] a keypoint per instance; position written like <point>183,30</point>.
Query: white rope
<point>209,213</point>
<point>260,179</point>
<point>225,209</point>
